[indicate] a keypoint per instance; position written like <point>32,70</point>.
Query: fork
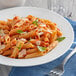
<point>59,70</point>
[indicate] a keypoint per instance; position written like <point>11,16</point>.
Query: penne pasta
<point>14,31</point>
<point>59,33</point>
<point>6,31</point>
<point>7,53</point>
<point>28,45</point>
<point>13,42</point>
<point>52,26</point>
<point>53,36</point>
<point>16,50</point>
<point>51,46</point>
<point>14,36</point>
<point>46,39</point>
<point>7,39</point>
<point>28,37</point>
<point>3,22</point>
<point>6,48</point>
<point>22,54</point>
<point>36,54</point>
<point>4,27</point>
<point>29,51</point>
<point>9,23</point>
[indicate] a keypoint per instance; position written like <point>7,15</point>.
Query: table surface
<point>4,70</point>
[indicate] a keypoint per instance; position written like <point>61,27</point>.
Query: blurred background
<point>66,8</point>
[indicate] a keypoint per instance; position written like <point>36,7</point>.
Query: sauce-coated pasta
<point>27,37</point>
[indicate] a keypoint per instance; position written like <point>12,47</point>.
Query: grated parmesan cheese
<point>40,33</point>
<point>2,47</point>
<point>49,31</point>
<point>22,53</point>
<point>22,39</point>
<point>43,25</point>
<point>2,33</point>
<point>38,43</point>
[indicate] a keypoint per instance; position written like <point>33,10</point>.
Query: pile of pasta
<point>27,37</point>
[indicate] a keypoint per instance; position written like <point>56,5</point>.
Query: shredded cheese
<point>49,31</point>
<point>2,47</point>
<point>38,43</point>
<point>40,33</point>
<point>22,53</point>
<point>43,25</point>
<point>22,39</point>
<point>2,33</point>
<point>24,32</point>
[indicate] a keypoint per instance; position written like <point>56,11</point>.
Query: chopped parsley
<point>60,39</point>
<point>19,47</point>
<point>19,31</point>
<point>41,48</point>
<point>36,22</point>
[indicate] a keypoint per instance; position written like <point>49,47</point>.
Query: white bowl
<point>62,47</point>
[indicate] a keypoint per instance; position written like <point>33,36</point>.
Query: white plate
<point>62,47</point>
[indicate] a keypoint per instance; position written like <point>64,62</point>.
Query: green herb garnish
<point>61,39</point>
<point>36,22</point>
<point>19,31</point>
<point>41,48</point>
<point>19,47</point>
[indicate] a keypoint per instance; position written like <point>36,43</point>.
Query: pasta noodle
<point>8,52</point>
<point>52,45</point>
<point>28,45</point>
<point>7,39</point>
<point>28,37</point>
<point>17,49</point>
<point>6,48</point>
<point>31,51</point>
<point>14,31</point>
<point>59,33</point>
<point>32,55</point>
